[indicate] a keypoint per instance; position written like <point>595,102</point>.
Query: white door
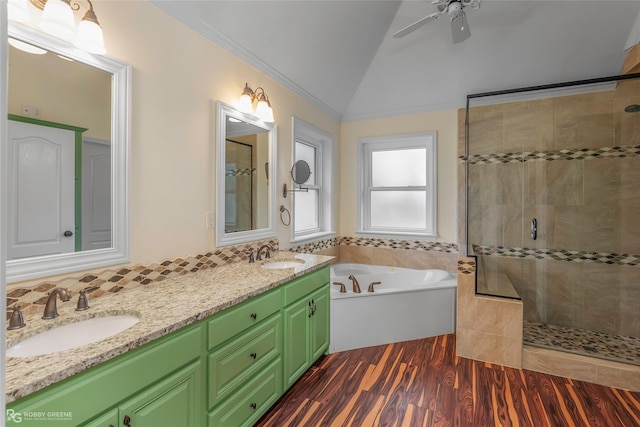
<point>96,194</point>
<point>41,170</point>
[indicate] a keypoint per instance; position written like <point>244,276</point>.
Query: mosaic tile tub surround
<point>32,299</point>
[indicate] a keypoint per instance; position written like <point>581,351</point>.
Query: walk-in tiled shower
<point>553,210</point>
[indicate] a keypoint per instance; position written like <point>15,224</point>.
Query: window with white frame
<point>398,185</point>
<point>312,211</point>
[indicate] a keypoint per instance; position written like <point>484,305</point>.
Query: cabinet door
<point>319,323</point>
<point>172,402</point>
<point>108,419</point>
<point>296,340</point>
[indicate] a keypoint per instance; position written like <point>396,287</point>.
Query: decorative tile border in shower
<point>559,255</point>
<point>575,154</point>
<point>109,281</point>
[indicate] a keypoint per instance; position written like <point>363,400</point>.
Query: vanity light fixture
<point>263,108</point>
<point>56,18</point>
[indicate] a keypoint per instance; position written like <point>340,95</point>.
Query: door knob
<point>68,233</point>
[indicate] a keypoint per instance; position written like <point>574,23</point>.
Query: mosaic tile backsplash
<point>32,299</point>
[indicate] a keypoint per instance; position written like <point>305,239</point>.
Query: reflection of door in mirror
<point>96,194</point>
<point>59,189</point>
<point>240,175</point>
<point>41,190</point>
<point>67,117</point>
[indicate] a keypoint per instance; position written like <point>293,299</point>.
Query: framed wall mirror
<point>245,165</point>
<point>67,162</point>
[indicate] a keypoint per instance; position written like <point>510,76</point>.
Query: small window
<point>312,211</point>
<point>398,185</point>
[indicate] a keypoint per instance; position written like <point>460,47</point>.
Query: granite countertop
<point>162,307</point>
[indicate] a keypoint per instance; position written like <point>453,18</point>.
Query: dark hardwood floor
<point>423,383</point>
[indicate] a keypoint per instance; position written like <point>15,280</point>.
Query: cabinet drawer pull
<point>253,356</point>
<point>254,316</point>
<point>126,421</point>
<point>253,405</point>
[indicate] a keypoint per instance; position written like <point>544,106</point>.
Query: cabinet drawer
<point>233,364</point>
<point>252,401</point>
<point>236,319</point>
<point>304,285</point>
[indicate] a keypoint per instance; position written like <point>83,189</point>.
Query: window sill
<point>398,235</point>
<point>313,236</point>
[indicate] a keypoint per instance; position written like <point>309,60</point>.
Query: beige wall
<point>443,122</point>
<point>177,77</point>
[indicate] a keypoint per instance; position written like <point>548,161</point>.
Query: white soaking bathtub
<point>407,304</point>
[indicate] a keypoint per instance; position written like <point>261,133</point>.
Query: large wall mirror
<point>67,162</point>
<point>245,165</point>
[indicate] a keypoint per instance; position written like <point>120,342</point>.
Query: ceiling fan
<point>455,9</point>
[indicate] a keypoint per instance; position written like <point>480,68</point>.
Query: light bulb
<point>57,20</point>
<point>17,11</point>
<point>90,37</point>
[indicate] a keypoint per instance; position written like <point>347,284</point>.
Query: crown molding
<point>176,10</point>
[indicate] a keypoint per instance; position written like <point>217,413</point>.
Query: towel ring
<point>282,220</point>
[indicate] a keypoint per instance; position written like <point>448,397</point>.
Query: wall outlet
<point>36,112</point>
<point>209,220</point>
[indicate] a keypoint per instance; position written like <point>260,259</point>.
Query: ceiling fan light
<point>17,11</point>
<point>57,20</point>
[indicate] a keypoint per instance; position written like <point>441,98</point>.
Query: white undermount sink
<point>274,265</point>
<point>72,335</point>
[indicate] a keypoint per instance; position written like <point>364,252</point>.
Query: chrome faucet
<point>50,309</point>
<point>356,285</point>
<point>266,252</point>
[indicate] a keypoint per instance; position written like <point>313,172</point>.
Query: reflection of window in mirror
<point>71,214</point>
<point>398,185</point>
<point>312,211</point>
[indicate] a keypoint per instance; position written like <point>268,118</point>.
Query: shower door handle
<point>534,229</point>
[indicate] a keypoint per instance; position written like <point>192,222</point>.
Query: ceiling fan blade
<point>419,23</point>
<point>460,29</point>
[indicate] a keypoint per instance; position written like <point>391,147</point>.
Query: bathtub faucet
<point>356,285</point>
<point>372,284</point>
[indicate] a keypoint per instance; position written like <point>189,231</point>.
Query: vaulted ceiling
<point>340,54</point>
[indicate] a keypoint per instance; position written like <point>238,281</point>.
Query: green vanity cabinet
<point>244,360</point>
<point>306,323</point>
<point>226,370</point>
<point>167,371</point>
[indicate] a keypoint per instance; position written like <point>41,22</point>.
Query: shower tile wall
<point>553,159</point>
